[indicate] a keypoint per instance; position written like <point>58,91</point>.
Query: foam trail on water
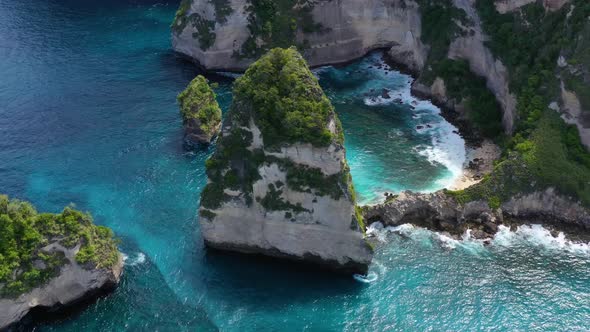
<point>139,258</point>
<point>369,278</point>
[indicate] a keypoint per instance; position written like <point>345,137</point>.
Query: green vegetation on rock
<point>181,18</point>
<point>286,101</point>
<point>274,23</point>
<point>198,102</point>
<point>483,110</point>
<point>281,97</point>
<point>205,28</point>
<point>544,152</point>
<point>442,22</point>
<point>25,264</point>
<point>222,10</point>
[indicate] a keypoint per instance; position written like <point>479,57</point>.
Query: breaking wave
<point>137,259</point>
<point>524,235</point>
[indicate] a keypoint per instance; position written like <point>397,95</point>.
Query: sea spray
<point>137,259</point>
<point>526,235</point>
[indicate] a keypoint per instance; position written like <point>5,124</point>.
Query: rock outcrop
<point>51,262</point>
<point>442,212</point>
<point>74,284</point>
<point>330,31</point>
<point>279,184</point>
<point>201,115</point>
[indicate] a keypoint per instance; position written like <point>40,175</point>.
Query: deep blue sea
<point>88,116</point>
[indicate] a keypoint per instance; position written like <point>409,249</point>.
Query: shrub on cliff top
<point>287,102</point>
<point>24,232</point>
<point>198,101</point>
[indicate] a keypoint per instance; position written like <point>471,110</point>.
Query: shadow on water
<point>271,282</point>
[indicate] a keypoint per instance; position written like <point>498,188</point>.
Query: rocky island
<point>511,72</point>
<point>279,184</point>
<point>51,262</point>
<point>201,115</point>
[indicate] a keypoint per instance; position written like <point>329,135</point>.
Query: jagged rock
<point>201,115</point>
<point>279,184</point>
<point>440,211</point>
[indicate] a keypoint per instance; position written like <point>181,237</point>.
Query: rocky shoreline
<point>75,287</point>
<point>441,212</point>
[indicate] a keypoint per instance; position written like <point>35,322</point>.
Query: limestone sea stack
<point>279,184</point>
<point>50,263</point>
<point>201,115</point>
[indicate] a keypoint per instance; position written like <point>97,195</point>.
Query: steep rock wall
<point>350,29</point>
<point>482,62</point>
<point>279,184</point>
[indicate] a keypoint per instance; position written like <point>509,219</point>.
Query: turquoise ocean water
<point>88,116</point>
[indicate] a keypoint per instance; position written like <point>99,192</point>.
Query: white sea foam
<point>369,278</point>
<point>137,259</point>
<point>537,235</point>
<point>533,235</point>
<point>447,147</point>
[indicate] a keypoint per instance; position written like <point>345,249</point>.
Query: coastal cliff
<point>279,184</point>
<point>231,34</point>
<point>51,262</point>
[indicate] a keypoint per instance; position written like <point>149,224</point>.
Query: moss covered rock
<point>201,115</point>
<point>279,183</point>
<point>51,261</point>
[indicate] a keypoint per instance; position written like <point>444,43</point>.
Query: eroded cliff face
<point>482,62</point>
<point>340,31</point>
<point>274,190</point>
<point>75,283</point>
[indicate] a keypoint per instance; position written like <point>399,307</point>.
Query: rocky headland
<point>51,263</point>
